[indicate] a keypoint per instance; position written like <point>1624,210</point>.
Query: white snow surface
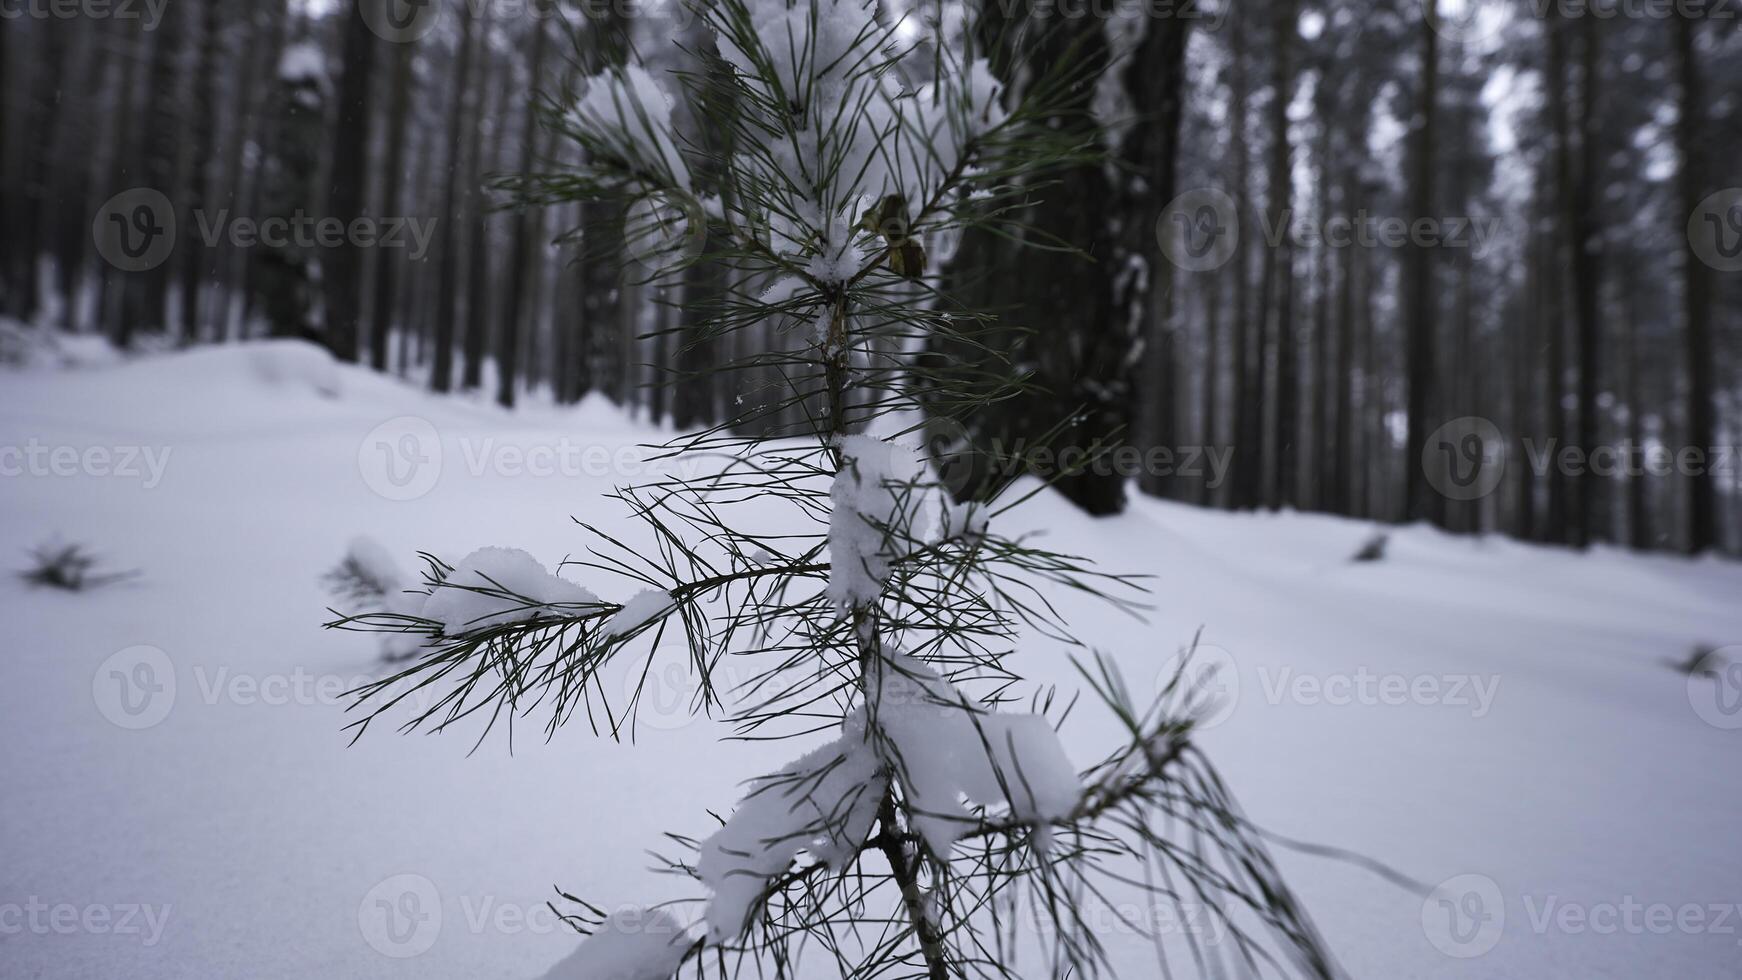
<point>1586,777</point>
<point>635,110</point>
<point>947,750</point>
<point>632,944</point>
<point>495,585</point>
<point>823,803</point>
<point>877,478</point>
<point>642,608</point>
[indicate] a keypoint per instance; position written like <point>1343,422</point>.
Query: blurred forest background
<point>1569,170</point>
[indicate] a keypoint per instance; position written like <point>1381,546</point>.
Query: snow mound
<point>295,363</point>
<point>632,944</point>
<point>33,348</point>
<point>495,586</point>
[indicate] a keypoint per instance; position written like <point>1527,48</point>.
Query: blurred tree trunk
<point>524,266</point>
<point>1639,529</point>
<point>597,353</point>
<point>342,274</point>
<point>284,271</point>
<point>1279,264</point>
<point>1526,385</point>
<point>1248,385</point>
<point>68,186</point>
<point>447,292</point>
<point>1371,420</point>
<point>1322,483</point>
<point>1155,80</point>
<point>1081,378</point>
<point>1697,352</point>
<point>1418,302</point>
<point>249,127</point>
<point>14,233</point>
<point>120,292</point>
<point>1574,163</point>
<point>199,266</point>
<point>155,149</point>
<point>478,252</point>
<point>387,260</point>
<point>26,164</point>
<point>1341,430</point>
<point>1212,376</point>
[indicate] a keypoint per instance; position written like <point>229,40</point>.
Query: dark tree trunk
<point>1155,81</point>
<point>1212,375</point>
<point>157,149</point>
<point>1526,385</point>
<point>1574,161</point>
<point>1418,302</point>
<point>1697,348</point>
<point>1082,378</point>
<point>387,262</point>
<point>1279,264</point>
<point>1639,527</point>
<point>478,251</point>
<point>442,375</point>
<point>199,266</point>
<point>1342,426</point>
<point>1248,387</point>
<point>528,227</point>
<point>343,270</point>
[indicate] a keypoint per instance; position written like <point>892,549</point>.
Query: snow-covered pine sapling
<point>933,826</point>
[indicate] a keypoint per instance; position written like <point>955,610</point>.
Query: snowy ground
<point>179,800</point>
